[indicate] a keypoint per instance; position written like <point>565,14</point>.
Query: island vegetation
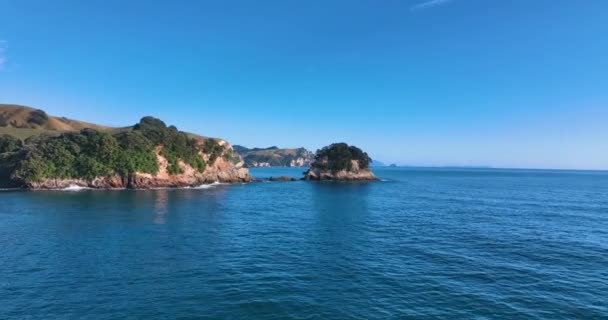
<point>341,156</point>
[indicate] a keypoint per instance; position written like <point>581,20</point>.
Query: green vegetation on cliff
<point>339,156</point>
<point>9,143</point>
<point>90,153</point>
<point>176,145</point>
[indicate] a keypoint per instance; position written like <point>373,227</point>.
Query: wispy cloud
<point>3,44</point>
<point>428,4</point>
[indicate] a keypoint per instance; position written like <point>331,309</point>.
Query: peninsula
<point>38,151</point>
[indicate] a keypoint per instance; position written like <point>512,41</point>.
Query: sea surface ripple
<point>424,243</point>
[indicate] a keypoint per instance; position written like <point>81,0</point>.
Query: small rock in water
<point>282,178</point>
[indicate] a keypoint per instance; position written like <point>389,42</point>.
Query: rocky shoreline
<point>221,171</point>
<point>324,175</point>
<point>138,181</point>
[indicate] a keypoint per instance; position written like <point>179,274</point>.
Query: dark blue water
<point>426,243</point>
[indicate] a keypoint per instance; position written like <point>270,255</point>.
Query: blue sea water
<point>422,243</point>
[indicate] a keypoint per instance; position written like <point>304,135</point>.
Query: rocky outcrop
<point>222,170</point>
<point>340,162</point>
<point>355,174</point>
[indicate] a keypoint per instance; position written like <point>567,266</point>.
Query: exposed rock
<point>282,178</point>
<point>316,174</point>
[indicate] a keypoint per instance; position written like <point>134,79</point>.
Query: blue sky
<point>518,83</point>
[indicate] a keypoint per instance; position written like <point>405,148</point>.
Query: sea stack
<point>340,162</point>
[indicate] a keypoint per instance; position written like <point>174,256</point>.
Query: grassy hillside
<point>22,117</point>
<point>24,133</point>
<point>24,122</point>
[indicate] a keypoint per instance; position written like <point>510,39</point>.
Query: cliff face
<point>354,174</point>
<point>222,170</point>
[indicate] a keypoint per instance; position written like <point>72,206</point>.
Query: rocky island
<point>62,153</point>
<point>340,162</point>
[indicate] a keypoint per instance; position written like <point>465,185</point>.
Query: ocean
<point>421,243</point>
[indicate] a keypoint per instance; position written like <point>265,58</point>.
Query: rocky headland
<point>221,171</point>
<point>149,154</point>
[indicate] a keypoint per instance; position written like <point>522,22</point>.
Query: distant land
<point>275,157</point>
<point>376,163</point>
<point>286,157</point>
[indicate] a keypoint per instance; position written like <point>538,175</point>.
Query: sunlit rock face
<point>221,170</point>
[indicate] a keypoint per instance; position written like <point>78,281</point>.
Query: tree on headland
<point>9,143</point>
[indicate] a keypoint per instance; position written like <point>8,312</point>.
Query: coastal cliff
<point>340,162</point>
<point>147,155</point>
<point>220,171</point>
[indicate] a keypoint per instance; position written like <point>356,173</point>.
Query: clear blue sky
<point>517,83</point>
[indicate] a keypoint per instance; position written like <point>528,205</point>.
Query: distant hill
<point>22,122</point>
<point>275,157</point>
<point>240,149</point>
<point>376,163</point>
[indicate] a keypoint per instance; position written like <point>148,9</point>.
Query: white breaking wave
<point>207,186</point>
<point>74,187</point>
